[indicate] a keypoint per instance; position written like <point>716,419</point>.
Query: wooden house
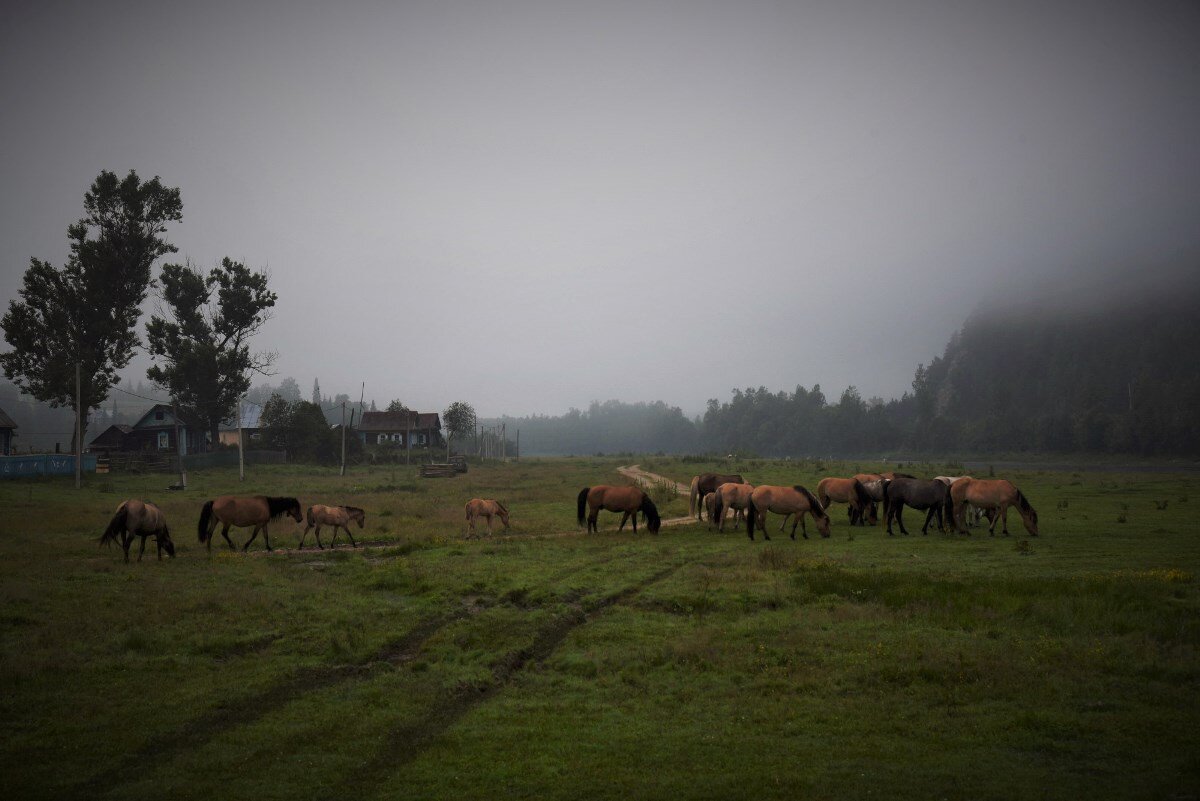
<point>396,428</point>
<point>110,439</point>
<point>155,432</point>
<point>251,426</point>
<point>7,426</point>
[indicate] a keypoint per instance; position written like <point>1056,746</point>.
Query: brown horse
<point>990,495</point>
<point>481,507</point>
<point>336,516</point>
<point>734,496</point>
<point>972,514</point>
<point>629,500</point>
<point>706,483</point>
<point>243,511</point>
<point>784,501</point>
<point>849,491</point>
<point>139,519</point>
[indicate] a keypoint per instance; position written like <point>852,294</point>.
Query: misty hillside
<point>1123,377</point>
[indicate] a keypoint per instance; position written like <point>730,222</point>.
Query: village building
<point>398,428</point>
<point>154,432</point>
<point>7,426</point>
<point>251,426</point>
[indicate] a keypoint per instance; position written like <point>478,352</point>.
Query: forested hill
<point>1121,378</point>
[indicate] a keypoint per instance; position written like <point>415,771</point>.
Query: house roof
<point>121,427</point>
<point>6,421</point>
<point>251,414</point>
<point>399,421</point>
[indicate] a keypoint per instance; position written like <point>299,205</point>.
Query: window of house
<point>164,441</point>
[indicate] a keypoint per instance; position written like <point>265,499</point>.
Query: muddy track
<point>408,742</point>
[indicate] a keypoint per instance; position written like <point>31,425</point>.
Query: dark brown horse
<point>917,493</point>
<point>784,501</point>
<point>139,519</point>
<point>337,516</point>
<point>629,500</point>
<point>706,483</point>
<point>244,511</point>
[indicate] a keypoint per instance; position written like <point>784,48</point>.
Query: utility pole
<point>241,455</point>
<point>503,441</point>
<point>178,445</point>
<point>518,444</point>
<point>407,437</point>
<point>79,430</point>
<point>343,438</point>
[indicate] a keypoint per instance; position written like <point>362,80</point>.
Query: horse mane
<point>818,511</point>
<point>353,510</point>
<point>278,506</point>
<point>651,512</point>
<point>1023,502</point>
<point>501,507</point>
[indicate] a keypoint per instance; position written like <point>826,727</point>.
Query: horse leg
<point>300,547</point>
<point>624,518</point>
<point>266,539</point>
<point>799,518</point>
<point>1004,514</point>
<point>899,509</point>
<point>332,540</point>
<point>593,525</point>
<point>253,535</point>
<point>142,552</point>
<point>225,534</point>
<point>470,526</point>
<point>928,517</point>
<point>354,544</point>
<point>126,541</point>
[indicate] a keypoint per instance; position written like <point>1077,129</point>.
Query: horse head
<point>294,511</point>
<point>164,539</point>
<point>503,513</point>
<point>358,515</point>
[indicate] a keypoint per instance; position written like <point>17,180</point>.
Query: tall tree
<point>397,406</point>
<point>86,313</point>
<point>459,419</point>
<point>204,344</point>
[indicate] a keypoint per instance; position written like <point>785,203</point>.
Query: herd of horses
<point>954,500</point>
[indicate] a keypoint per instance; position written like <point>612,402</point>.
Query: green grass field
<point>545,663</point>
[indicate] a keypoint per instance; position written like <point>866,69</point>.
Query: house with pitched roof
<point>7,427</point>
<point>402,429</point>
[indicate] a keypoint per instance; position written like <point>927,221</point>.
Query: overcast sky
<point>533,205</point>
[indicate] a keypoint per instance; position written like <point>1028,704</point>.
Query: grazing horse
<point>848,491</point>
<point>243,511</point>
<point>784,501</point>
<point>973,514</point>
<point>993,496</point>
<point>917,493</point>
<point>891,476</point>
<point>731,495</point>
<point>336,516</point>
<point>706,483</point>
<point>139,519</point>
<point>629,500</point>
<point>481,507</point>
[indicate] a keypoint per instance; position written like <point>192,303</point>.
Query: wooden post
<point>241,455</point>
<point>518,444</point>
<point>178,445</point>
<point>79,430</point>
<point>343,438</point>
<point>407,437</point>
<point>503,441</point>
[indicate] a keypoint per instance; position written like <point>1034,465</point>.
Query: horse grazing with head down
<point>484,507</point>
<point>784,501</point>
<point>917,493</point>
<point>706,483</point>
<point>337,516</point>
<point>245,511</point>
<point>994,496</point>
<point>730,496</point>
<point>139,519</point>
<point>629,500</point>
<point>848,491</point>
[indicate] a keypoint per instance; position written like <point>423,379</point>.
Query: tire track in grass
<point>408,742</point>
<point>247,709</point>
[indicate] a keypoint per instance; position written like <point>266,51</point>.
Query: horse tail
<point>115,526</point>
<point>860,492</point>
<point>653,521</point>
<point>886,500</point>
<point>692,496</point>
<point>948,510</point>
<point>205,517</point>
<point>718,508</point>
<point>581,503</point>
<point>751,515</point>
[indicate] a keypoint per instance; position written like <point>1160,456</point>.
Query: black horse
<point>917,493</point>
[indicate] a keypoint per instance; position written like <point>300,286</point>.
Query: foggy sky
<point>533,205</point>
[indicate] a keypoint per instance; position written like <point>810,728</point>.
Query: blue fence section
<point>44,464</point>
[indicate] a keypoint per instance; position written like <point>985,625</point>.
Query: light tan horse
<point>734,496</point>
<point>484,507</point>
<point>244,511</point>
<point>139,519</point>
<point>991,494</point>
<point>848,491</point>
<point>784,501</point>
<point>629,500</point>
<point>705,483</point>
<point>972,513</point>
<point>336,516</point>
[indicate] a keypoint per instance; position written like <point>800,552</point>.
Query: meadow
<point>546,663</point>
